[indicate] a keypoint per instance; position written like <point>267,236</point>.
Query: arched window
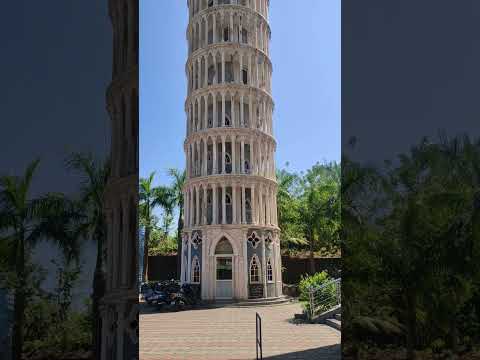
<point>244,36</point>
<point>245,76</point>
<point>226,34</point>
<point>254,270</point>
<point>223,247</point>
<point>269,270</point>
<point>195,271</point>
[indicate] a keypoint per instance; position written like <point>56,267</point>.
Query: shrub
<point>315,282</point>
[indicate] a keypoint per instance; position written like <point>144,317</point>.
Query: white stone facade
<point>231,188</point>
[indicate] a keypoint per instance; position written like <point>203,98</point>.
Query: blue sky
<point>305,52</point>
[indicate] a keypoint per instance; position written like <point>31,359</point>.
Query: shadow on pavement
<point>330,352</point>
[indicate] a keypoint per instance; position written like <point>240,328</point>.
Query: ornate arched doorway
<point>223,269</point>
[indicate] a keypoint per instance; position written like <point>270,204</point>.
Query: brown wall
<point>165,267</point>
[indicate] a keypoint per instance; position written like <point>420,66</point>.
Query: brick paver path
<point>228,333</point>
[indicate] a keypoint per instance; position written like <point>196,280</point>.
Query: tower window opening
<point>226,34</point>
<point>269,271</point>
<point>244,36</point>
<point>196,271</point>
<point>254,270</point>
<point>245,76</point>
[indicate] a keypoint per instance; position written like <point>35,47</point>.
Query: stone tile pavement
<point>228,333</point>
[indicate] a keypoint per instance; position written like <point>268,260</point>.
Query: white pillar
<point>244,213</point>
<point>205,157</point>
<point>264,268</point>
<point>215,117</point>
<point>189,262</point>
<point>253,204</point>
<point>242,118</point>
<point>222,121</point>
<point>205,209</point>
<point>223,66</point>
<point>233,147</point>
<point>224,207</point>
<point>234,204</point>
<point>197,206</point>
<point>223,155</point>
<point>242,156</point>
<point>214,143</point>
<point>214,29</point>
<point>214,204</point>
<point>205,116</point>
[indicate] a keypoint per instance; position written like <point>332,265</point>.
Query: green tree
<point>178,178</point>
<point>23,221</point>
<point>94,176</point>
<point>151,197</point>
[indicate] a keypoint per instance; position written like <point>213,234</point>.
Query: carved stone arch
<point>215,241</point>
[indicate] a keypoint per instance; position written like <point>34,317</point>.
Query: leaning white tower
<point>231,243</point>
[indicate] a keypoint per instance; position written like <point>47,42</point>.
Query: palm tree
<point>151,197</point>
<point>177,188</point>
<point>94,178</point>
<point>23,221</point>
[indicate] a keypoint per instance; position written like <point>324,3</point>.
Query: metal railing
<point>324,297</point>
<point>258,333</point>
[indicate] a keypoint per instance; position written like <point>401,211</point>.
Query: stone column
<point>240,72</point>
<point>214,143</point>
<point>264,268</point>
<point>214,30</point>
<point>223,154</point>
<point>205,119</point>
<point>197,206</point>
<point>269,208</point>
<point>253,204</point>
<point>244,213</point>
<point>224,207</point>
<point>234,204</point>
<point>206,31</point>
<point>205,206</point>
<point>205,156</point>
<point>189,262</point>
<point>194,80</point>
<point>260,206</point>
<point>215,116</point>
<point>233,143</point>
<point>222,121</point>
<point>199,122</point>
<point>250,110</point>
<point>245,265</point>
<point>214,204</point>
<point>252,156</point>
<point>242,118</point>
<point>250,73</point>
<point>223,66</point>
<point>232,109</point>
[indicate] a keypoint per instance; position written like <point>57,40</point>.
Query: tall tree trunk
<point>411,323</point>
<point>98,292</point>
<point>179,242</point>
<point>19,301</point>
<point>145,254</point>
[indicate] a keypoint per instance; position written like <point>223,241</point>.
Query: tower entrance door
<point>224,272</point>
<point>224,269</point>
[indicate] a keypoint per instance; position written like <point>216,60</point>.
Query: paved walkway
<point>228,333</point>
